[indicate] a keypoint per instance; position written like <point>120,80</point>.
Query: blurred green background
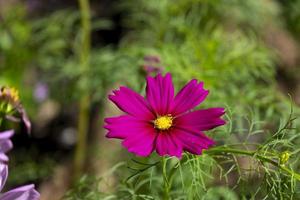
<point>246,51</point>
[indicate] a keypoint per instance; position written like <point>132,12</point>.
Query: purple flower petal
<point>132,103</point>
<point>5,144</point>
<point>3,158</point>
<point>25,118</point>
<point>160,93</point>
<point>22,193</point>
<point>201,120</point>
<point>5,135</point>
<point>3,175</point>
<point>189,97</point>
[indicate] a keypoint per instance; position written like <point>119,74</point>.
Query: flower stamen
<point>10,94</point>
<point>163,122</point>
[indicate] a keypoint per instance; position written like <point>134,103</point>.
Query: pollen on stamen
<point>12,94</point>
<point>163,122</point>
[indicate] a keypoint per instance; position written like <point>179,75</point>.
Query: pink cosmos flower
<point>162,121</point>
<point>26,192</point>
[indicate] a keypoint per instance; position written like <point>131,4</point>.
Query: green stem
<point>84,104</point>
<point>222,150</point>
<point>166,181</point>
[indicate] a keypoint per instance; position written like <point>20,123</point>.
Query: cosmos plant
<point>167,124</point>
<point>162,121</point>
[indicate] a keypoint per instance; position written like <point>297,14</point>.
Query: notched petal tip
<point>220,110</point>
<point>135,150</point>
<point>222,122</point>
<point>108,135</point>
<point>191,95</point>
<point>106,127</point>
<point>108,120</point>
<point>211,143</point>
<point>115,92</point>
<point>160,93</point>
<point>168,75</point>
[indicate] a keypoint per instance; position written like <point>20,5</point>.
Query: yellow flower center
<point>163,122</point>
<point>11,93</point>
<point>14,94</point>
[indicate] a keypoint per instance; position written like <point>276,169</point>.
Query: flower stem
<point>263,158</point>
<point>83,119</point>
<point>166,181</point>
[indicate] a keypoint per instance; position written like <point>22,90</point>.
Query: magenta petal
<point>160,93</point>
<point>138,135</point>
<point>3,175</point>
<point>188,97</point>
<point>142,143</point>
<point>22,193</point>
<point>167,144</point>
<point>193,142</point>
<point>124,126</point>
<point>201,120</point>
<point>131,103</point>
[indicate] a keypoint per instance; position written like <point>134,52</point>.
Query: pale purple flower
<point>26,192</point>
<point>41,92</point>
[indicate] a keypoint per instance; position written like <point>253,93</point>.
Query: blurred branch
<point>83,120</point>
